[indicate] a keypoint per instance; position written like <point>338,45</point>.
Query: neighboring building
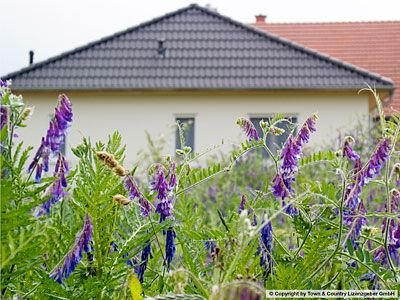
<point>198,67</point>
<point>374,46</point>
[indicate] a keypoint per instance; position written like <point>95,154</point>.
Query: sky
<point>50,27</point>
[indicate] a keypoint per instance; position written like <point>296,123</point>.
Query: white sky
<point>50,27</point>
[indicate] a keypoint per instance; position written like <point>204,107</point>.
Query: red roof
<point>374,46</point>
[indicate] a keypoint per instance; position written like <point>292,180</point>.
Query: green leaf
<point>350,247</point>
<point>318,157</point>
<point>360,254</point>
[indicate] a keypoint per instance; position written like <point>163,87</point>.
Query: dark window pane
<point>187,126</point>
<point>275,142</point>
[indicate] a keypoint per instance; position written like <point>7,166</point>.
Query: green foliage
<point>218,248</point>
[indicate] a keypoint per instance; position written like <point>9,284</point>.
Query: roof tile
<point>374,46</point>
<point>203,50</point>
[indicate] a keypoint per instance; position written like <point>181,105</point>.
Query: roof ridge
<point>210,12</point>
<point>329,22</point>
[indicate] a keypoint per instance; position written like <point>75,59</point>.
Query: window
<point>275,142</point>
<point>187,130</point>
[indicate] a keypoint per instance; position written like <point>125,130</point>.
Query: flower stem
<point>339,237</point>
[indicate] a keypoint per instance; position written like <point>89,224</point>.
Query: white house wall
<point>99,114</point>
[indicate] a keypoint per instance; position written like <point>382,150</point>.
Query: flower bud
<point>263,124</point>
<point>121,200</point>
<point>187,149</point>
<point>180,152</point>
<point>396,170</point>
<point>26,113</point>
<point>107,159</point>
<point>277,131</point>
<point>120,171</point>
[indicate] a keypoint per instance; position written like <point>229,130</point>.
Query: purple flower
<point>145,206</point>
<point>134,192</point>
<point>393,244</point>
<point>395,200</point>
<point>144,259</point>
<point>4,85</point>
<point>291,152</point>
<point>74,256</point>
<point>164,197</point>
<point>348,150</point>
<point>373,280</point>
<point>265,248</point>
<point>279,187</point>
<point>248,128</point>
<point>375,163</point>
<point>160,184</point>
<point>56,191</point>
<point>242,204</point>
<point>132,187</point>
<point>353,190</point>
<point>59,124</point>
<point>55,136</point>
<point>305,131</point>
<point>169,247</point>
<point>4,116</point>
<point>172,175</point>
<point>354,220</point>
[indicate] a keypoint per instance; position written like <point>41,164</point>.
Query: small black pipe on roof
<point>161,50</point>
<point>31,53</point>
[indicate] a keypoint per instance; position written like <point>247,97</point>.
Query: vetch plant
<point>233,227</point>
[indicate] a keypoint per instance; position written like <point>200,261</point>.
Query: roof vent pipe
<point>31,53</point>
<point>209,7</point>
<point>161,50</point>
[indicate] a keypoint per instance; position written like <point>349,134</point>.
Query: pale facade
<point>99,114</point>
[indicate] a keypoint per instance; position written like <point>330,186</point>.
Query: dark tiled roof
<point>371,45</point>
<point>204,50</point>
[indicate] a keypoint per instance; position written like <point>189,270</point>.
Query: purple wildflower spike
<point>74,256</point>
<point>265,248</point>
<point>353,190</point>
<point>160,184</point>
<point>55,136</point>
<point>355,223</point>
<point>132,187</point>
<point>134,192</point>
<point>242,204</point>
<point>348,150</point>
<point>164,197</point>
<point>4,86</point>
<point>305,131</point>
<point>393,244</point>
<point>4,116</point>
<point>169,247</point>
<point>5,83</point>
<point>248,128</point>
<point>291,152</point>
<point>279,188</point>
<point>56,190</point>
<point>376,162</point>
<point>145,206</point>
<point>172,175</point>
<point>144,259</point>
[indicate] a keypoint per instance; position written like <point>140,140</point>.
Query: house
<point>199,68</point>
<point>374,46</point>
